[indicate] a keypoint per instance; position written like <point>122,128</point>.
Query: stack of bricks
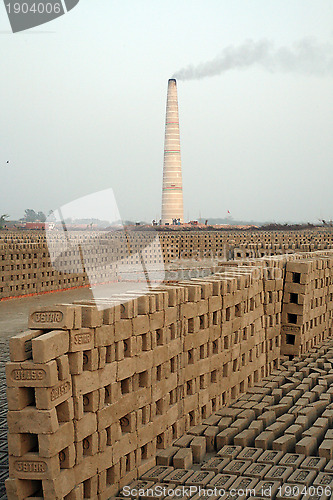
<point>93,392</point>
<point>272,300</point>
<point>26,257</point>
<point>307,304</point>
<point>280,448</point>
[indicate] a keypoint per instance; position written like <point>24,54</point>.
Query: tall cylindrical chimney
<point>172,192</point>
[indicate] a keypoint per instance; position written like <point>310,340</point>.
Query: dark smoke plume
<point>307,56</point>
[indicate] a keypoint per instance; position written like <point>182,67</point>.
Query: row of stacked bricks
<point>93,392</point>
<point>307,303</point>
<point>224,344</point>
<point>273,272</point>
<point>275,441</point>
<point>26,269</point>
<point>25,258</point>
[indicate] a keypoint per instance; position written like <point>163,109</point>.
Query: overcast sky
<point>83,98</point>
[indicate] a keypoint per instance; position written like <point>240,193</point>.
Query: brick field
<point>202,369</point>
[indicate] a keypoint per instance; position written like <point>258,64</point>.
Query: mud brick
<point>20,444</point>
<point>92,317</point>
<point>316,432</point>
<point>284,443</point>
<point>279,473</point>
<point>67,457</point>
<point>183,459</point>
<point>165,457</point>
<point>225,437</point>
<point>265,440</point>
<point>83,339</point>
<point>49,346</point>
<point>260,408</point>
<point>215,464</point>
<point>290,491</point>
<point>328,413</point>
<point>277,394</point>
<point>75,360</point>
<point>104,336</point>
<point>32,421</point>
<point>243,483</point>
<point>20,397</point>
<point>101,357</point>
<point>325,450</point>
<point>87,382</point>
<point>210,435</point>
<point>29,374</point>
<point>222,481</point>
<point>268,417</point>
<point>224,423</point>
<point>302,476</point>
<point>63,367</point>
<point>306,446</point>
<point>32,466</point>
<point>240,424</point>
<point>126,368</point>
<point>146,465</point>
<point>213,420</point>
<point>20,347</point>
<point>326,397</point>
<point>314,463</point>
<point>257,470</point>
<point>65,411</point>
<point>91,360</point>
<point>51,444</point>
<point>197,430</point>
<point>157,473</point>
<point>271,400</point>
<point>237,467</point>
<point>295,430</point>
<point>178,476</point>
<point>86,469</point>
<point>279,409</point>
<point>102,440</point>
<point>304,421</point>
<point>86,426</point>
<point>59,317</point>
<point>257,425</point>
<point>47,398</point>
<point>246,437</point>
<point>21,489</point>
<point>266,489</point>
<point>91,401</point>
<point>247,414</point>
<point>292,460</point>
<point>229,412</point>
<point>287,419</point>
<point>200,478</point>
<point>87,447</point>
<point>324,479</point>
<point>249,453</point>
<point>198,447</point>
<point>270,457</point>
<point>106,375</point>
<point>229,452</point>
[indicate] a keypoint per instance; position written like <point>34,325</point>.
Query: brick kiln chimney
<point>172,192</point>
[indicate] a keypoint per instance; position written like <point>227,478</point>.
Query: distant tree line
<point>31,216</point>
